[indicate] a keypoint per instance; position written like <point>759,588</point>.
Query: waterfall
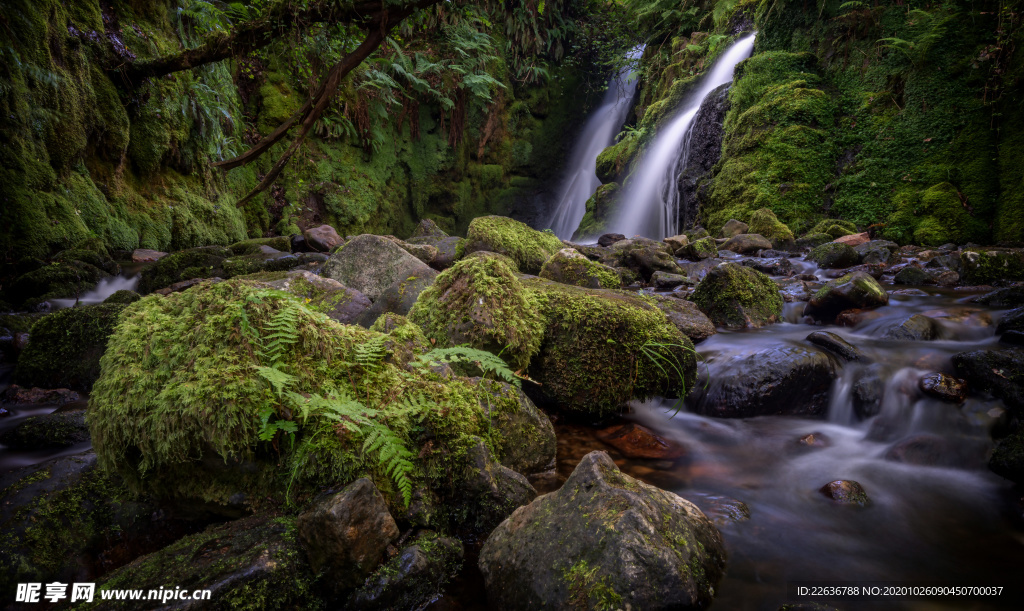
<point>649,204</point>
<point>581,180</point>
<point>104,288</point>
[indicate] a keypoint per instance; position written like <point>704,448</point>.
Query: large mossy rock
<point>989,266</point>
<point>331,297</point>
<point>736,296</point>
<point>642,255</point>
<point>64,348</point>
<point>399,297</point>
<point>481,302</point>
<point>526,441</point>
<point>230,394</point>
<point>370,264</point>
<point>699,249</point>
<point>570,267</point>
<point>835,228</point>
<point>204,262</point>
<point>834,255</point>
<point>764,222</point>
<point>602,348</point>
<point>603,541</point>
<point>253,563</point>
<point>527,247</point>
<point>855,290</point>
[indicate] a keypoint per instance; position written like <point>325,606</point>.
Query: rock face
<point>736,296</point>
<point>604,540</point>
<point>788,380</point>
<point>854,290</point>
<point>528,247</point>
<point>705,141</point>
<point>834,255</point>
<point>370,264</point>
<point>570,267</point>
<point>346,534</point>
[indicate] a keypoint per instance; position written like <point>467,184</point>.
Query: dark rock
<point>428,229</point>
<point>602,537</point>
<point>412,579</point>
<point>39,396</point>
<point>867,393</point>
<point>610,238</point>
<point>371,264</point>
<point>489,491</point>
<point>258,246</point>
<point>837,346</point>
<point>184,285</point>
<point>1007,457</point>
<point>665,280</point>
<point>191,264</point>
<point>846,492</point>
<point>526,440</point>
<point>772,267</point>
<point>735,296</point>
<point>913,276</point>
<point>877,251</point>
<point>944,262</point>
<point>705,144</point>
<point>946,278</point>
<point>834,255</point>
<point>793,290</point>
<point>399,297</point>
<point>854,290</point>
<point>944,387</point>
<point>923,449</point>
<point>999,372</point>
<point>914,328</point>
<point>1012,338</point>
<point>787,380</point>
<point>1009,297</point>
<point>447,250</point>
<point>635,441</point>
<point>747,244</point>
<point>1011,321</point>
<point>322,239</point>
<point>346,534</point>
<point>687,317</point>
<point>722,510</point>
<point>987,267</point>
<point>733,228</point>
<point>56,430</point>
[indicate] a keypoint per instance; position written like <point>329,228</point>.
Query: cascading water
<point>599,132</point>
<point>649,205</point>
<point>104,288</point>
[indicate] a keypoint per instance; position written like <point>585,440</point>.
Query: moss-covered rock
<point>331,297</point>
<point>570,267</point>
<point>412,579</point>
<point>835,228</point>
<point>399,297</point>
<point>763,222</point>
<point>602,348</point>
<point>479,301</point>
<point>599,208</point>
<point>604,541</point>
<point>56,430</point>
<point>991,266</point>
<point>687,317</point>
<point>370,264</point>
<point>188,264</point>
<point>527,442</point>
<point>65,347</point>
<point>643,255</point>
<point>527,247</point>
<point>59,279</point>
<point>747,243</point>
<point>732,227</point>
<point>854,290</point>
<point>813,240</point>
<point>123,296</point>
<point>253,246</point>
<point>736,296</point>
<point>699,249</point>
<point>834,255</point>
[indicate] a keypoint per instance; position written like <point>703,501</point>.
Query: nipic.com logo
<point>86,592</point>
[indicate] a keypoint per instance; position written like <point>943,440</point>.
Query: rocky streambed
<point>830,409</point>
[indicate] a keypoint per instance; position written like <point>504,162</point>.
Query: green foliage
<point>487,362</point>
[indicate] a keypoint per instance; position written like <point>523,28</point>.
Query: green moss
<point>527,247</point>
<point>834,255</point>
<point>588,592</point>
<point>183,265</point>
<point>599,209</point>
<point>480,301</point>
<point>933,217</point>
<point>251,247</point>
<point>763,222</point>
<point>579,271</point>
<point>987,266</point>
<point>736,296</point>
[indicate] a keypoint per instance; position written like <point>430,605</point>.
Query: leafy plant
<point>664,357</point>
<point>485,361</point>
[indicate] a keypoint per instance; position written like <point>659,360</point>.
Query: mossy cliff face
<point>85,156</point>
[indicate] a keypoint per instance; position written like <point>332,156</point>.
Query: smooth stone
<point>837,345</point>
<point>846,492</point>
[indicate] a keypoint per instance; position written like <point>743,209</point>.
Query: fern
<point>370,355</point>
<point>283,332</point>
<point>487,362</point>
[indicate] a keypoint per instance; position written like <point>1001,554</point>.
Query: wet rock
<point>837,346</point>
<point>65,347</point>
<point>856,290</point>
<point>608,239</point>
<point>1007,458</point>
<point>747,243</point>
<point>446,249</point>
<point>793,290</point>
<point>1012,338</point>
<point>878,252</point>
<point>867,393</point>
<point>854,239</point>
<point>636,441</point>
<point>1009,297</point>
<point>38,396</point>
<point>772,267</point>
<point>722,510</point>
<point>733,228</point>
<point>261,246</point>
<point>190,264</point>
<point>946,278</point>
<point>331,297</point>
<point>642,255</point>
<point>999,372</point>
<point>676,242</point>
<point>184,285</point>
<point>371,264</point>
<point>698,250</point>
<point>399,297</point>
<point>944,387</point>
<point>526,440</point>
<point>912,275</point>
<point>665,280</point>
<point>987,267</point>
<point>944,262</point>
<point>687,317</point>
<point>489,491</point>
<point>735,296</point>
<point>603,536</point>
<point>322,239</point>
<point>570,267</point>
<point>346,534</point>
<point>56,430</point>
<point>528,247</point>
<point>834,256</point>
<point>145,255</point>
<point>846,492</point>
<point>814,440</point>
<point>914,328</point>
<point>412,579</point>
<point>923,449</point>
<point>1011,321</point>
<point>786,380</point>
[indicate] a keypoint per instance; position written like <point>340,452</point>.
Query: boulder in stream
<point>999,372</point>
<point>747,244</point>
<point>846,492</point>
<point>834,255</point>
<point>736,296</point>
<point>944,387</point>
<point>570,267</point>
<point>856,290</point>
<point>837,346</point>
<point>732,228</point>
<point>915,327</point>
<point>687,317</point>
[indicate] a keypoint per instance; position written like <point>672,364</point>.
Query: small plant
<point>663,356</point>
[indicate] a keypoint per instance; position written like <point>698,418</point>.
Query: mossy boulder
<point>399,297</point>
<point>321,294</point>
<point>747,244</point>
<point>370,264</point>
<point>253,563</point>
<point>602,348</point>
<point>813,240</point>
<point>604,541</point>
<point>855,290</point>
<point>428,229</point>
<point>527,247</point>
<point>643,255</point>
<point>413,578</point>
<point>570,267</point>
<point>249,381</point>
<point>123,296</point>
<point>527,441</point>
<point>736,296</point>
<point>764,222</point>
<point>59,279</point>
<point>56,430</point>
<point>834,255</point>
<point>835,228</point>
<point>64,348</point>
<point>203,262</point>
<point>481,302</point>
<point>699,249</point>
<point>489,492</point>
<point>991,266</point>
